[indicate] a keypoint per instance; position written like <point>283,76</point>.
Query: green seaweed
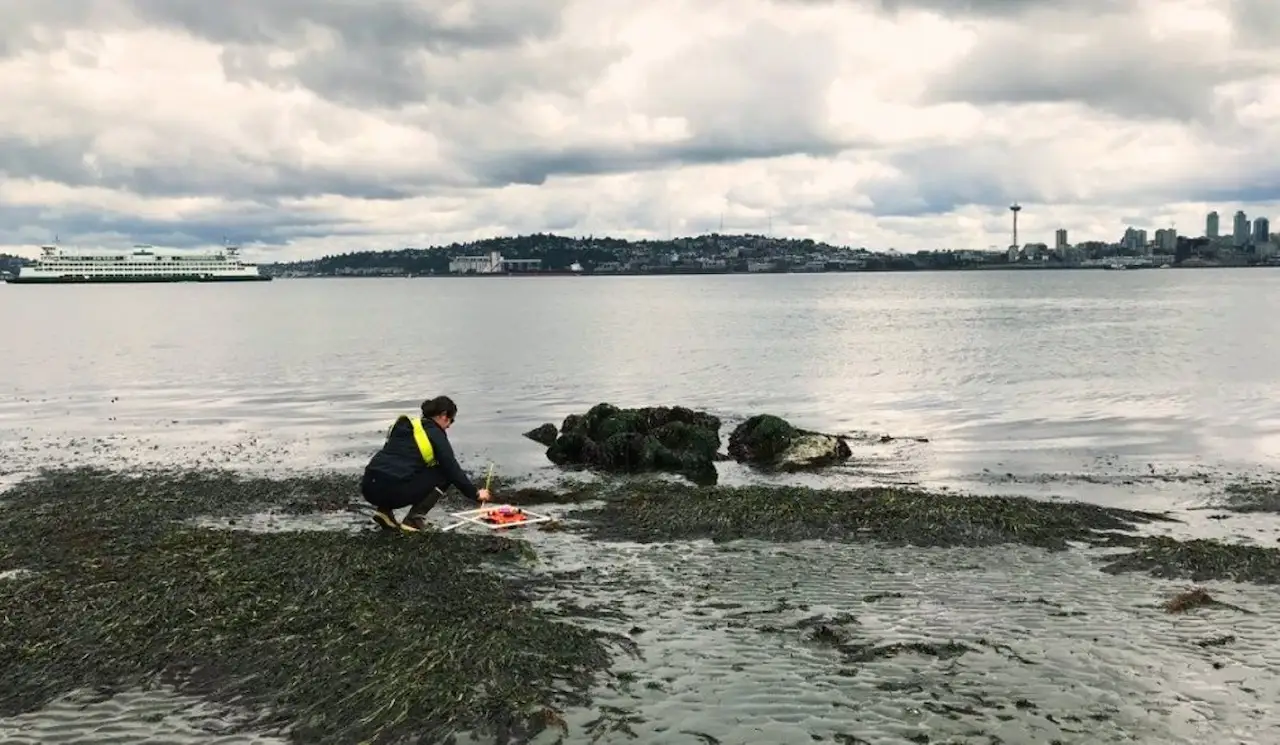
<point>672,512</point>
<point>660,512</point>
<point>1252,495</point>
<point>1199,560</point>
<point>329,636</point>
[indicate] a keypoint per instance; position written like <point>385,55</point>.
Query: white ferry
<point>142,264</point>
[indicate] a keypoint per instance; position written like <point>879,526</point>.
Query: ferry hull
<point>142,265</point>
<point>79,280</point>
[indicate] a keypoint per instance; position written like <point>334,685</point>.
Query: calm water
<point>1042,369</point>
<point>1019,380</point>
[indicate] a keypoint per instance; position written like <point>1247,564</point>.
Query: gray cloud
<point>266,225</point>
<point>535,166</point>
<point>760,93</point>
<point>936,180</point>
<point>395,62</point>
<point>69,161</point>
<point>995,173</point>
<point>1115,71</point>
<point>1112,64</point>
<point>363,25</point>
<point>761,87</point>
<point>1257,21</point>
<point>1259,184</point>
<point>757,94</point>
<point>377,53</point>
<point>375,24</point>
<point>978,8</point>
<point>392,77</point>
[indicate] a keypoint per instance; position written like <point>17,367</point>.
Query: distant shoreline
<point>722,272</point>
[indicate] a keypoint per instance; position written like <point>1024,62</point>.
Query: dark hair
<point>434,407</point>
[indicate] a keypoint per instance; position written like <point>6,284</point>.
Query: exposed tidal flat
<point>886,599</point>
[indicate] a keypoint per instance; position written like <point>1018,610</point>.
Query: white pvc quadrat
<point>476,517</point>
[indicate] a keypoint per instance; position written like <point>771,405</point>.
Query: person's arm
<point>449,463</point>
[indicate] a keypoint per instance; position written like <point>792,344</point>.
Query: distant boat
<point>142,264</point>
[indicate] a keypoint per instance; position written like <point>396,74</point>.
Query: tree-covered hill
<point>559,253</point>
<point>9,264</point>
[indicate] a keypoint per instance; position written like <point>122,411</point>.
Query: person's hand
<point>484,496</point>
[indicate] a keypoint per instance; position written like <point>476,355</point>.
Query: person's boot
<point>386,519</point>
<point>415,521</point>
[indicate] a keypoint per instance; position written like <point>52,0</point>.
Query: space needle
<point>1015,208</point>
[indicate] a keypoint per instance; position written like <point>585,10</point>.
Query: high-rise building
<point>1167,240</point>
<point>1261,230</point>
<point>1240,229</point>
<point>1135,240</point>
<point>1211,225</point>
<point>1061,240</point>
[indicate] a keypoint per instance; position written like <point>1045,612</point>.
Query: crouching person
<point>414,467</point>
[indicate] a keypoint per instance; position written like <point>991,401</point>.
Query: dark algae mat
<point>350,636</point>
<point>345,637</point>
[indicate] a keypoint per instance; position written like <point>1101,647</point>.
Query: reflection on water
<point>1046,651</point>
<point>993,367</point>
<point>1114,379</point>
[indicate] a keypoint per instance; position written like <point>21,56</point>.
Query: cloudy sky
<point>303,127</point>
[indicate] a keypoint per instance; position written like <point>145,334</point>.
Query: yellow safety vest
<point>420,437</point>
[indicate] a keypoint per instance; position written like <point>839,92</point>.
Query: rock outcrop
<point>659,438</point>
<point>682,441</point>
<point>770,442</point>
<point>543,435</point>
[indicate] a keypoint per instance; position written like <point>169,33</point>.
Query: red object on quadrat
<point>504,516</point>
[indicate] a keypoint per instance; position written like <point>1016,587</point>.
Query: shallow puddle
<point>156,717</point>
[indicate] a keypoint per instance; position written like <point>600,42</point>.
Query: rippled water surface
<point>1038,368</point>
<point>1107,386</point>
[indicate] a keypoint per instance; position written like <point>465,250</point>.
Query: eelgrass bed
<point>335,637</point>
<point>912,517</point>
<point>341,637</point>
<point>892,516</point>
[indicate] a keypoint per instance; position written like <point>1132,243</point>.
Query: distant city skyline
<point>1245,232</point>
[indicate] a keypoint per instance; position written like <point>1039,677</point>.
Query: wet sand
<point>159,716</point>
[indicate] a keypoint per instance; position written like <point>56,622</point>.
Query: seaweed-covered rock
<point>768,441</point>
<point>658,438</point>
<point>543,435</point>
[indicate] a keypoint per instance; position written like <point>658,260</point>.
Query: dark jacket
<point>399,458</point>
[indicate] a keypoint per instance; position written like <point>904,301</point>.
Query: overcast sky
<point>316,126</point>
